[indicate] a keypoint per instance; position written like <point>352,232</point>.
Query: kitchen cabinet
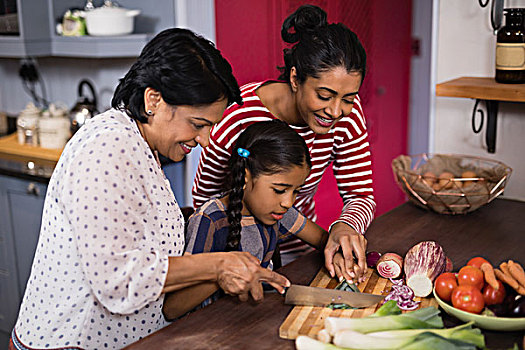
<point>21,204</point>
<point>487,90</point>
<point>37,36</point>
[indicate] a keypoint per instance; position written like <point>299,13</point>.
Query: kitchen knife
<point>315,296</point>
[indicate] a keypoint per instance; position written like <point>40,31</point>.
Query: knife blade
<point>315,296</point>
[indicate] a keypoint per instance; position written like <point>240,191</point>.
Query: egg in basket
<point>448,183</point>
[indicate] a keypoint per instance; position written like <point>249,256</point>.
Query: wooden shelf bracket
<point>491,93</point>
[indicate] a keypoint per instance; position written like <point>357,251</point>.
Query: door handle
<point>33,189</point>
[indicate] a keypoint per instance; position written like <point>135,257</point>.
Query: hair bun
<point>305,21</point>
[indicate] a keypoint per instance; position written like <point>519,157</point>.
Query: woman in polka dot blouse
<point>112,232</point>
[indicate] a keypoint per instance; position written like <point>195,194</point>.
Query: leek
<point>459,337</point>
<point>422,341</point>
<point>304,342</point>
<point>422,318</point>
<point>387,309</point>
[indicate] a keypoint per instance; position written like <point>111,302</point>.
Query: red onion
<point>372,258</point>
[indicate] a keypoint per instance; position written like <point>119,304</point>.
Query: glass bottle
<point>510,48</point>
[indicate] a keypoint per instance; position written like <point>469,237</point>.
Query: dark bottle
<point>510,48</point>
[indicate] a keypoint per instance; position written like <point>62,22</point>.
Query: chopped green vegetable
<point>343,285</point>
<point>342,306</point>
<point>346,287</point>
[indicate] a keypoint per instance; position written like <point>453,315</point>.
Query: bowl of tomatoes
<point>484,321</point>
<point>475,294</point>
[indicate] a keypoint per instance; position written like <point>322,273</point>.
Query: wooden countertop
<point>11,149</point>
<point>495,231</point>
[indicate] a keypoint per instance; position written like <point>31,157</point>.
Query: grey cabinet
<point>21,204</point>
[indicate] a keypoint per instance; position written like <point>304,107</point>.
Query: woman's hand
<point>240,273</point>
<point>351,242</point>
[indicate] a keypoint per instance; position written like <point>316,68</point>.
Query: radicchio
<point>423,263</point>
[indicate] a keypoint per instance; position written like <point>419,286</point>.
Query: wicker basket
<point>450,184</point>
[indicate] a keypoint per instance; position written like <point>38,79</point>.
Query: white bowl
<point>108,21</point>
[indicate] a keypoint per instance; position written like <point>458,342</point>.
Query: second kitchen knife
<point>315,296</point>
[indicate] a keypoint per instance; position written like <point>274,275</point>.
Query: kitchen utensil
<point>315,296</point>
<point>309,320</point>
<point>494,323</point>
<point>27,125</point>
<point>110,20</point>
<point>84,108</point>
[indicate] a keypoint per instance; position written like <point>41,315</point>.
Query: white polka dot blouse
<point>109,224</point>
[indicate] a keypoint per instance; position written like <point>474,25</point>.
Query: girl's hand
<point>340,267</point>
<point>240,273</point>
<point>345,237</point>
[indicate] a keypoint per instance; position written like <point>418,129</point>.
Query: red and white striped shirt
<point>346,145</point>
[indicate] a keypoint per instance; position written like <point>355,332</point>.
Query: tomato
<point>494,296</point>
<point>477,261</point>
<point>468,298</point>
<point>471,276</point>
<point>445,284</point>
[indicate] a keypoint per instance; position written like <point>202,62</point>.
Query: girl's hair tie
<point>243,152</point>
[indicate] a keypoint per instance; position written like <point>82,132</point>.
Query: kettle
<point>84,108</point>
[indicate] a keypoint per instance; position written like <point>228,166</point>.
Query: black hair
<point>184,67</point>
<point>273,147</point>
<point>319,46</point>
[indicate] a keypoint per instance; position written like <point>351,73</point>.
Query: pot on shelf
<point>109,20</point>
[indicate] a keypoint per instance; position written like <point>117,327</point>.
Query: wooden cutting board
<point>309,320</point>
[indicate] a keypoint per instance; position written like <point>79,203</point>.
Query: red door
<point>248,34</point>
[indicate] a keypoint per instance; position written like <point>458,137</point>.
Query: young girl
<point>267,170</point>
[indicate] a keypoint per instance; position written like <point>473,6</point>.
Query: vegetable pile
<point>389,329</point>
<point>478,288</point>
<point>421,265</point>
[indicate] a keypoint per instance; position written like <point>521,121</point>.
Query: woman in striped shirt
<point>316,95</point>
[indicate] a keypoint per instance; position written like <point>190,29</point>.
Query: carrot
<point>504,267</point>
<point>506,278</point>
<point>521,290</point>
<point>490,277</point>
<point>516,271</point>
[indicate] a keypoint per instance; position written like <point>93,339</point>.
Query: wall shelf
<point>99,47</point>
<point>486,90</point>
<point>481,89</point>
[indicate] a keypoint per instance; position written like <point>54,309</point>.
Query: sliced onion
<point>403,295</point>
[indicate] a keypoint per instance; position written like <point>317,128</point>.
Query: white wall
<point>466,47</point>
